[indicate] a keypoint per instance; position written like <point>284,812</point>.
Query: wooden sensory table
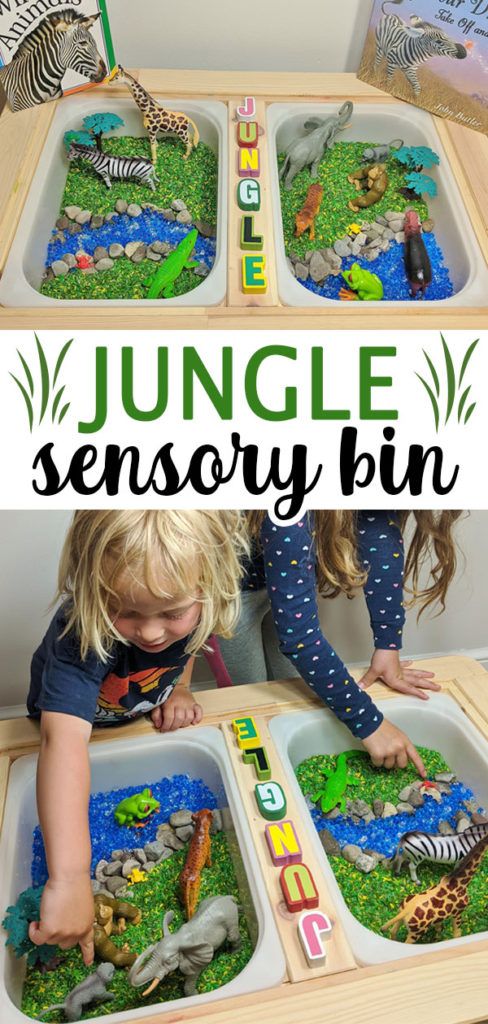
<point>22,138</point>
<point>445,987</point>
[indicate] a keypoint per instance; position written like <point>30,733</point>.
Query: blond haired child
<point>141,592</point>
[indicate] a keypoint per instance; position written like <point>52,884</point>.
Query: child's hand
<point>178,711</point>
<point>389,747</point>
<point>386,665</point>
<point>67,916</point>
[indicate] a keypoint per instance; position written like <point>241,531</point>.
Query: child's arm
<point>289,560</point>
<point>63,786</point>
<point>381,552</point>
<point>180,709</point>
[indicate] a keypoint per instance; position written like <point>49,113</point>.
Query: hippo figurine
<point>417,262</point>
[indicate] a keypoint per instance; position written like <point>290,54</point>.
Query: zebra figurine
<point>60,42</point>
<point>108,166</point>
<point>405,47</point>
<point>416,847</point>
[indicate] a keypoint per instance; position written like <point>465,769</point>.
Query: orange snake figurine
<point>198,857</point>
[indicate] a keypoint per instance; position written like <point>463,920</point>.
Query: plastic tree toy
<point>98,125</point>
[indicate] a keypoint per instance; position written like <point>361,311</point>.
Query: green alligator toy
<point>332,793</point>
<point>161,284</point>
<point>365,285</point>
<point>138,806</point>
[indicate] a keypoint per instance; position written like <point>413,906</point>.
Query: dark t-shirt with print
<point>132,682</point>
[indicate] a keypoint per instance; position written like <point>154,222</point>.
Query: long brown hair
<point>337,556</point>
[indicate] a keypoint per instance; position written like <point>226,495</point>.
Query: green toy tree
<point>16,923</point>
<point>420,183</point>
<point>99,124</point>
<point>80,138</point>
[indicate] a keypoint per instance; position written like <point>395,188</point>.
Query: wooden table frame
<point>22,138</point>
<point>441,988</point>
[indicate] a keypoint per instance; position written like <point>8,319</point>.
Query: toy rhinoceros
<point>190,948</point>
<point>308,150</point>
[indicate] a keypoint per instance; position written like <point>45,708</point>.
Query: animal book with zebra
<point>49,48</point>
<point>433,53</point>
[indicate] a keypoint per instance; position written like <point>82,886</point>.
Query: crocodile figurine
<point>365,285</point>
<point>332,793</point>
<point>134,808</point>
<point>161,284</point>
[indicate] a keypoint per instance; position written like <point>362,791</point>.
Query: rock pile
<point>111,876</point>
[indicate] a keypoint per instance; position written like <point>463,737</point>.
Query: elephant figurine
<point>190,948</point>
<point>309,150</point>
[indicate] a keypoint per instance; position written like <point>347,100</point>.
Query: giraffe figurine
<point>158,120</point>
<point>449,898</point>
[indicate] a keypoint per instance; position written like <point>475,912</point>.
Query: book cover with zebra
<point>49,48</point>
<point>433,53</point>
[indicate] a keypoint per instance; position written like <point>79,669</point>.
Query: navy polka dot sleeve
<point>289,565</point>
<point>381,554</point>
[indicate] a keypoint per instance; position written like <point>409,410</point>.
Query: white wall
<point>274,35</point>
<point>30,546</point>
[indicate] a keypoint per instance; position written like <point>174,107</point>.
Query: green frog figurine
<point>365,285</point>
<point>133,808</point>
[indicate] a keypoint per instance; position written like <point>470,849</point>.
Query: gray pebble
<point>318,268</point>
<point>342,246</point>
<point>134,210</point>
<point>329,843</point>
<point>69,259</point>
<point>48,274</point>
<point>400,236</point>
<point>478,819</point>
<point>113,868</point>
<point>405,793</point>
<point>378,806</point>
<point>72,211</point>
<point>100,253</point>
<point>301,271</point>
<point>445,777</point>
<point>109,217</point>
<point>463,824</point>
<point>160,247</point>
<point>59,268</point>
<point>380,220</point>
<point>171,841</point>
<point>162,831</point>
<point>351,852</point>
<point>154,256</point>
<point>205,229</point>
<point>169,214</point>
<point>140,855</point>
<point>105,264</point>
<point>405,808</point>
<point>334,813</point>
<point>368,817</point>
<point>359,807</point>
<point>62,223</point>
<point>445,829</point>
<point>179,818</point>
<point>217,823</point>
<point>416,799</point>
<point>365,863</point>
<point>116,884</point>
<point>184,217</point>
<point>427,226</point>
<point>154,850</point>
<point>97,221</point>
<point>388,810</point>
<point>391,215</point>
<point>100,870</point>
<point>202,270</point>
<point>178,205</point>
<point>388,234</point>
<point>129,866</point>
<point>185,832</point>
<point>290,266</point>
<point>470,805</point>
<point>116,251</point>
<point>121,206</point>
<point>84,217</point>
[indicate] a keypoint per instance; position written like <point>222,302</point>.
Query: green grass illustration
<point>444,390</point>
<point>38,388</point>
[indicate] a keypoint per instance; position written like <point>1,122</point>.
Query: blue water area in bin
<point>383,834</point>
<point>149,226</point>
<point>390,268</point>
<point>106,835</point>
